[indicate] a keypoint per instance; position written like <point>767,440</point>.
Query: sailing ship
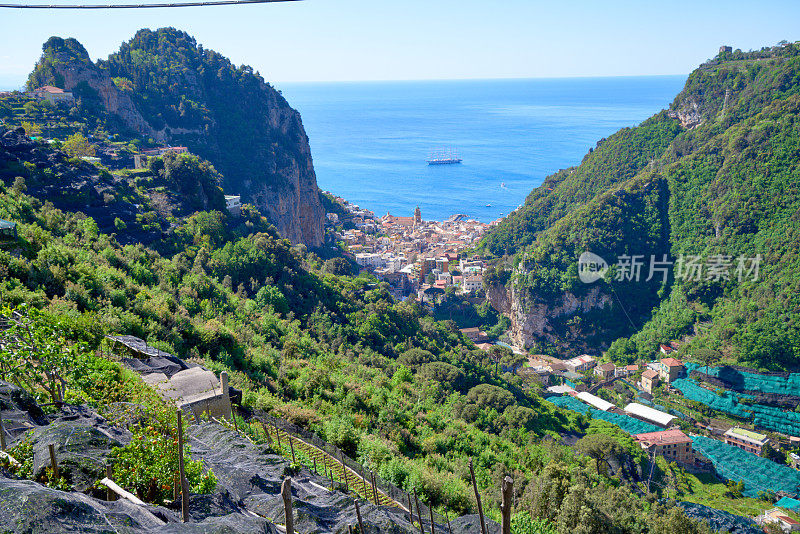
<point>444,156</point>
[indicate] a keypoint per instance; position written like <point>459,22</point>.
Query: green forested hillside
<point>404,394</point>
<point>716,180</point>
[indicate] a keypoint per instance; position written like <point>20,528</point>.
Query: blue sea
<point>370,140</point>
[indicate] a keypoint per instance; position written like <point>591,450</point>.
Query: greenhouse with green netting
<point>757,474</point>
<point>625,422</point>
<point>729,402</point>
<point>751,381</point>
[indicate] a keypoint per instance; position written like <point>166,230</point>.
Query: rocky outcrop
<point>533,319</point>
<point>237,121</point>
<point>688,114</point>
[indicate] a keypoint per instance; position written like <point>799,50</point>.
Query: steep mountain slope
<point>400,393</point>
<point>715,181</point>
<point>164,86</point>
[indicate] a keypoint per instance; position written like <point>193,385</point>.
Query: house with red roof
<point>669,369</point>
<point>672,444</point>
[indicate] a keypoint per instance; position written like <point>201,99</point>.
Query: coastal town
<point>414,256</point>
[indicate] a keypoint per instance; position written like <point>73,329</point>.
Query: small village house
<point>474,334</point>
<point>605,371</point>
<point>581,363</point>
<point>779,517</point>
<point>746,439</point>
<point>234,204</point>
<point>671,444</point>
<point>8,230</point>
<point>52,94</point>
<point>669,369</point>
<point>649,381</point>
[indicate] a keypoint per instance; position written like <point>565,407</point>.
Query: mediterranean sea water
<point>370,140</point>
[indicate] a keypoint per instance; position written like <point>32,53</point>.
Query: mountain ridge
<point>163,85</point>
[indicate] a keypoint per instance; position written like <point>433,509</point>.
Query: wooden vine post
<point>505,506</point>
<point>344,472</point>
<point>419,513</point>
<point>291,446</point>
<point>2,435</point>
<point>430,511</point>
<point>53,461</point>
<point>477,497</point>
<point>410,510</point>
<point>182,470</point>
<point>110,495</point>
<point>358,515</point>
<point>286,494</point>
<point>375,490</point>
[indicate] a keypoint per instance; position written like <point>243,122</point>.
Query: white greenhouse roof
<point>651,414</point>
<point>595,401</point>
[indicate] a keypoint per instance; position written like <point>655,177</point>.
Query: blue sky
<point>327,40</point>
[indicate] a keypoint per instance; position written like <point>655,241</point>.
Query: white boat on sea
<point>444,156</point>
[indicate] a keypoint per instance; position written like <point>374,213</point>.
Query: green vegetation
<point>402,393</point>
<point>722,188</point>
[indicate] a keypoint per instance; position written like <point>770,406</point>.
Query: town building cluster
<point>413,255</point>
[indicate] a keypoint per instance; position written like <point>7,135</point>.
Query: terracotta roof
<point>671,362</point>
<point>607,367</point>
<point>649,374</point>
<point>664,437</point>
<point>632,367</point>
<point>48,89</point>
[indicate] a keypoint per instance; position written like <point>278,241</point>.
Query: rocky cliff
<point>164,87</point>
<point>536,320</point>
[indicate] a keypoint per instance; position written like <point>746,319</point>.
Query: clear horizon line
<point>457,79</point>
<point>489,78</point>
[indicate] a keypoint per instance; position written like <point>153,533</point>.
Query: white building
<point>332,217</point>
<point>370,260</point>
<point>52,94</point>
<point>234,204</point>
<point>472,283</point>
<point>581,363</point>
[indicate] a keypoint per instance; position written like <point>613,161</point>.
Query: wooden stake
<point>449,528</point>
<point>358,515</point>
<point>325,466</point>
<point>344,471</point>
<point>233,416</point>
<point>182,471</point>
<point>2,435</point>
<point>53,462</point>
<point>477,497</point>
<point>176,485</point>
<point>430,511</point>
<point>286,493</point>
<point>505,507</point>
<point>350,528</point>
<point>375,490</point>
<point>410,509</point>
<point>291,446</point>
<point>364,486</point>
<point>278,438</point>
<point>419,513</point>
<point>315,464</point>
<point>110,495</point>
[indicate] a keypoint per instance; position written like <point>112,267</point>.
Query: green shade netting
<point>758,474</point>
<point>766,417</point>
<point>742,380</point>
<point>626,423</point>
